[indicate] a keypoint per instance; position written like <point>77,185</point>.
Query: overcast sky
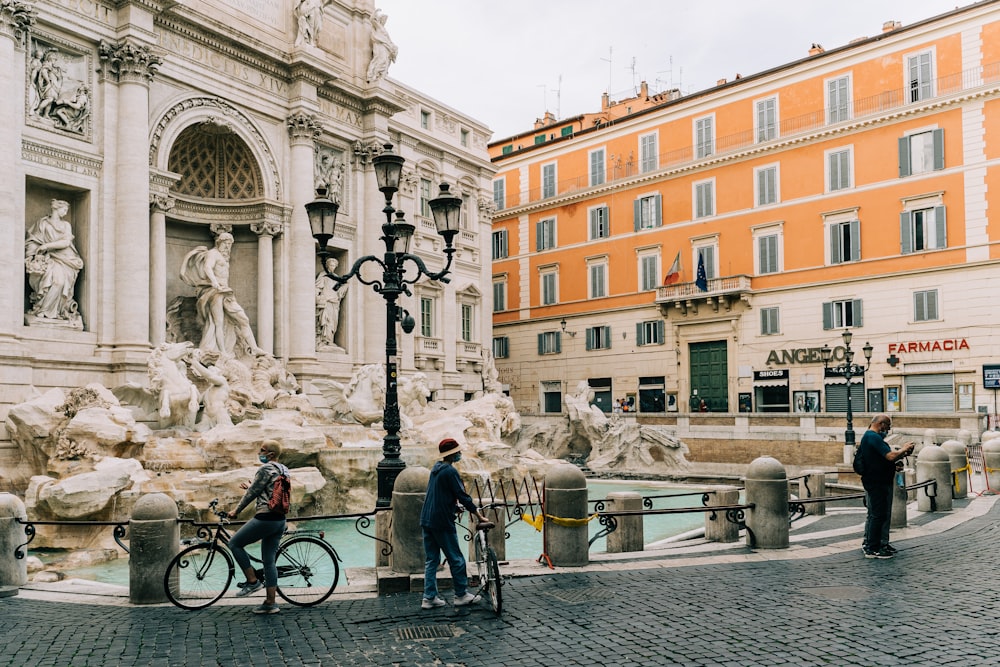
<point>506,62</point>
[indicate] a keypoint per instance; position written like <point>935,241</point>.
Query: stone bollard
<point>407,540</point>
<point>13,570</point>
<point>991,459</point>
<point>964,436</point>
<point>899,500</point>
<point>767,491</point>
<point>933,463</point>
<point>720,528</point>
<point>497,535</point>
<point>958,457</point>
<point>154,539</point>
<point>930,438</point>
<point>566,498</point>
<point>629,534</point>
<point>815,481</point>
<point>911,479</point>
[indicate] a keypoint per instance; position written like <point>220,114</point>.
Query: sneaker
<point>431,603</point>
<point>884,553</point>
<point>869,553</point>
<point>467,599</point>
<point>891,549</point>
<point>247,588</point>
<point>266,608</point>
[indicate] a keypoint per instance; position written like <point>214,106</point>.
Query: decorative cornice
<point>364,151</point>
<point>303,127</point>
<point>60,158</point>
<point>16,19</point>
<point>227,215</point>
<point>127,61</point>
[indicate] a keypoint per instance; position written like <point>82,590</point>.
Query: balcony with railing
<point>687,298</point>
<point>622,168</point>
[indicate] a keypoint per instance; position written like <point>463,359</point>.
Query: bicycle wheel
<point>307,570</point>
<point>198,576</point>
<point>494,583</point>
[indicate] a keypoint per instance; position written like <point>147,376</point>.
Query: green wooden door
<point>710,374</point>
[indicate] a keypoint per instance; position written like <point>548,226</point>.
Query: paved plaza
<point>817,603</point>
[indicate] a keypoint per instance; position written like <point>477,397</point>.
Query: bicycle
<point>308,567</point>
<point>490,581</point>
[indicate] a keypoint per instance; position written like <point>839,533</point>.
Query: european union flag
<point>702,279</point>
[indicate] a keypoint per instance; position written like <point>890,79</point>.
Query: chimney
<point>605,102</point>
<point>816,49</point>
<point>720,82</point>
<point>889,26</point>
<point>644,90</point>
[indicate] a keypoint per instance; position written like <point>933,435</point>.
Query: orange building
<point>673,250</point>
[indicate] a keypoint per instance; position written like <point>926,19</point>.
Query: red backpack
<point>281,493</point>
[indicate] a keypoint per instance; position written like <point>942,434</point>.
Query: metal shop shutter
<point>836,397</point>
<point>929,393</point>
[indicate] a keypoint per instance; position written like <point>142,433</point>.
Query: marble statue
<point>328,297</point>
<point>309,21</point>
<point>361,400</point>
<point>412,393</point>
<point>72,112</point>
<point>47,72</point>
<point>226,327</point>
<point>215,397</point>
<point>384,51</point>
<point>171,394</point>
<point>491,376</point>
<point>52,264</point>
<point>329,174</point>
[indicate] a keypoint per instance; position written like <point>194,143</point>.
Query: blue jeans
<point>878,496</point>
<point>269,534</point>
<point>436,541</point>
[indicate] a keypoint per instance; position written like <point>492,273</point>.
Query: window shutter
<point>590,338</point>
<point>657,211</point>
<point>932,309</point>
<point>855,240</point>
<point>607,336</point>
<point>593,223</point>
<point>938,138</point>
<point>835,257</point>
<point>765,321</point>
<point>541,343</point>
<point>940,228</point>
<point>856,312</point>
<point>828,315</point>
<point>905,233</point>
<point>539,230</point>
<point>637,213</point>
<point>639,340</point>
<point>918,306</point>
<point>558,341</point>
<point>904,156</point>
<point>660,338</point>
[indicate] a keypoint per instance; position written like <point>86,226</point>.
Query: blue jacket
<point>444,489</point>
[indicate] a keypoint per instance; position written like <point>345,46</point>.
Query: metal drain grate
<point>580,595</point>
<point>839,592</point>
<point>425,632</point>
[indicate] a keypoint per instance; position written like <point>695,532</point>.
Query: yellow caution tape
<point>537,521</point>
<point>534,521</point>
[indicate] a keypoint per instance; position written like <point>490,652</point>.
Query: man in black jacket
<point>877,477</point>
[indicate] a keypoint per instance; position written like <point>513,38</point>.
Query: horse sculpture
<point>170,394</point>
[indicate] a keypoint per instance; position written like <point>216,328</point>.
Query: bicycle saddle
<point>485,525</point>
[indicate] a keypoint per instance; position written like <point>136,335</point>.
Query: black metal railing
<point>119,533</point>
<point>797,508</point>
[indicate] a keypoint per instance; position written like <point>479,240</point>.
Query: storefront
<point>770,389</point>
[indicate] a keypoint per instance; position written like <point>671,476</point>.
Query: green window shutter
<point>636,214</point>
<point>905,233</point>
<point>657,211</point>
<point>855,240</point>
<point>607,336</point>
<point>856,312</point>
<point>639,340</point>
<point>659,332</point>
<point>904,156</point>
<point>541,343</point>
<point>835,244</point>
<point>558,341</point>
<point>539,244</point>
<point>932,311</point>
<point>938,139</point>
<point>590,338</point>
<point>940,228</point>
<point>827,315</point>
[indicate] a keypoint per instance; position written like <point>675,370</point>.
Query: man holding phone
<point>879,472</point>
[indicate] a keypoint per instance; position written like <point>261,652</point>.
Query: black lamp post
<point>847,370</point>
<point>396,234</point>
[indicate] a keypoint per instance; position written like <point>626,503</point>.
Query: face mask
<point>458,457</point>
<point>263,458</point>
<point>884,432</point>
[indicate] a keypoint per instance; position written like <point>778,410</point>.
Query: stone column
<point>154,538</point>
<point>933,463</point>
<point>959,460</point>
<point>131,66</point>
<point>815,482</point>
<point>629,535</point>
<point>158,206</point>
<point>407,535</point>
<point>718,527</point>
<point>565,508</point>
<point>13,570</point>
<point>767,491</point>
<point>16,19</point>
<point>266,231</point>
<point>303,131</point>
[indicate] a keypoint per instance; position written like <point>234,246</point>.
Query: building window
<point>599,338</point>
<point>921,152</point>
<point>766,119</point>
<point>464,138</point>
<point>548,180</point>
<point>425,197</point>
<point>549,287</point>
<point>597,168</point>
<point>922,229</point>
<point>920,75</point>
<point>463,220</point>
<point>845,242</point>
<point>842,314</point>
<point>649,271</point>
<point>551,396</point>
<point>925,305</point>
<point>838,169</point>
<point>499,295</point>
<point>647,212</point>
<point>600,226</point>
<point>652,398</point>
<point>704,199</point>
<point>705,257</point>
<point>549,343</point>
<point>425,119</point>
<point>500,244</point>
<point>598,273</point>
<point>767,254</point>
<point>649,332</point>
<point>545,234</point>
<point>501,347</point>
<point>769,321</point>
<point>467,322</point>
<point>767,185</point>
<point>648,156</point>
<point>838,99</point>
<point>704,137</point>
<point>500,193</point>
<point>426,317</point>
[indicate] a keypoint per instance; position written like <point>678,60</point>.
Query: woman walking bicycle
<point>266,526</point>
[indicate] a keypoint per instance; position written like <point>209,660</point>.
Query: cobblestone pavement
<point>936,604</point>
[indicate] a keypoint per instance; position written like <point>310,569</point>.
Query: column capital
<point>161,202</point>
<point>365,151</point>
<point>303,127</point>
<point>266,228</point>
<point>128,61</point>
<point>16,19</point>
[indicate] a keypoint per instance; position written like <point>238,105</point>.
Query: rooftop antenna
<point>610,69</point>
<point>632,67</point>
<point>559,98</point>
